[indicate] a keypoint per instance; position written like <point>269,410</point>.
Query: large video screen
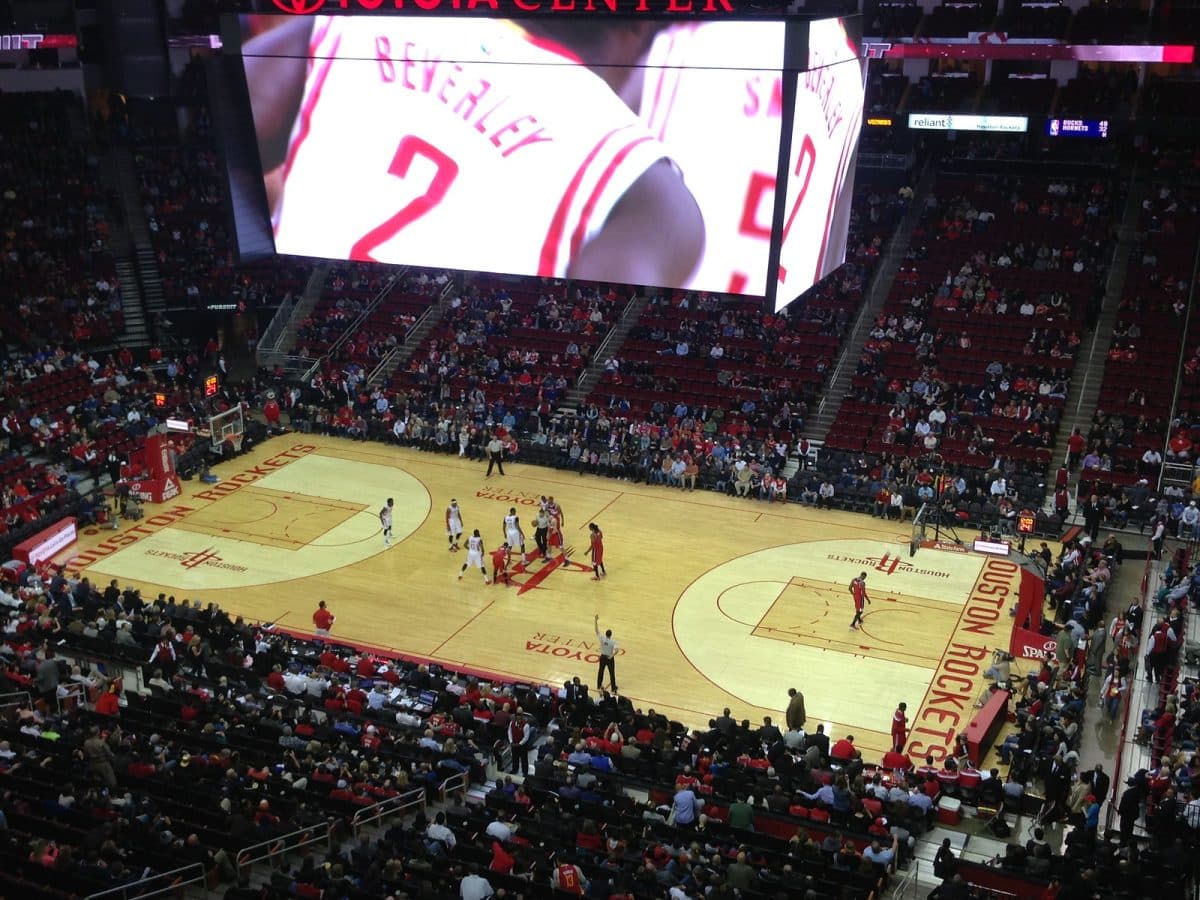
<point>631,152</point>
<point>823,150</point>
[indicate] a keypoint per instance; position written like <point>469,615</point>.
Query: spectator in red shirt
<point>844,750</point>
<point>323,620</point>
<point>1076,444</point>
<point>502,860</point>
<point>108,703</point>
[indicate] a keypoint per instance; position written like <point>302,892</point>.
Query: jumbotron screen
<point>823,150</point>
<point>625,151</point>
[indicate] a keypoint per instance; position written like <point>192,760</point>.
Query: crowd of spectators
<point>1131,434</point>
<point>55,222</point>
<point>520,342</point>
<point>238,734</point>
<point>455,393</point>
<point>392,306</point>
<point>183,200</point>
<point>971,358</point>
<point>68,417</point>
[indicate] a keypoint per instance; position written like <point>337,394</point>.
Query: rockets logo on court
<point>207,558</point>
<point>888,564</point>
<point>535,578</point>
<point>299,7</point>
<point>194,560</point>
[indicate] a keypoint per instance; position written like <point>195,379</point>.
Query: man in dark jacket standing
<point>796,716</point>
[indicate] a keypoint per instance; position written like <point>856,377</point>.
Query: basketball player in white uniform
<point>403,138</point>
<point>513,533</point>
<point>829,105</point>
<point>722,126</point>
<point>454,525</point>
<point>385,521</point>
<point>475,557</point>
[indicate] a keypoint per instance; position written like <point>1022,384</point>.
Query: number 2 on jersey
<point>805,162</point>
<point>446,170</point>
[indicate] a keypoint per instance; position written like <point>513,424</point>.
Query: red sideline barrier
<point>46,542</point>
<point>1027,640</point>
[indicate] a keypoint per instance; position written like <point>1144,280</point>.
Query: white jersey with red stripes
<point>712,93</point>
<point>453,143</point>
<point>827,122</point>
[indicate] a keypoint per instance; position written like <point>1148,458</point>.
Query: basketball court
<point>715,601</point>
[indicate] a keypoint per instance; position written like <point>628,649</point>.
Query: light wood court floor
<point>715,601</point>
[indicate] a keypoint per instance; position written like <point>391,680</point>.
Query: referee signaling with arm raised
<point>608,657</point>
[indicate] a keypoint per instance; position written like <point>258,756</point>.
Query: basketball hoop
<point>227,426</point>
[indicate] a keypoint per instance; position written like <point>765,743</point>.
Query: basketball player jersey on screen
<point>828,118</point>
<point>712,93</point>
<point>458,144</point>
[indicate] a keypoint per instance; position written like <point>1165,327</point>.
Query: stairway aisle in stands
<point>839,384</point>
<point>1084,390</point>
<point>137,332</point>
<point>607,349</point>
<point>1100,740</point>
<point>301,309</point>
<point>1143,694</point>
<point>428,321</point>
<point>119,162</point>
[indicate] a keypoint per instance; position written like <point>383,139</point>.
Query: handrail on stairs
<point>1187,321</point>
<point>447,289</point>
<point>387,358</point>
<point>602,349</point>
<point>892,249</point>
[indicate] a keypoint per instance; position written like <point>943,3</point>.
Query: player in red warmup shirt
<point>598,569</point>
<point>858,590</point>
<point>500,557</point>
<point>323,619</point>
<point>900,727</point>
